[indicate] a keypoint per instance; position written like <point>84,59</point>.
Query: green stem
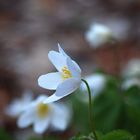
<point>90,108</point>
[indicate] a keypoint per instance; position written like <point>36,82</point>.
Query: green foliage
<point>5,135</point>
<point>114,135</point>
<point>132,103</point>
<point>132,110</point>
<point>80,115</point>
<point>107,112</point>
<point>114,108</point>
<point>118,135</point>
<point>44,138</point>
<point>107,107</point>
<point>34,138</point>
<point>83,137</point>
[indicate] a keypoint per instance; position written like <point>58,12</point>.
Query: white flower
<point>44,115</point>
<point>132,69</point>
<point>131,82</point>
<point>18,105</point>
<point>98,34</point>
<point>66,80</point>
<point>96,82</point>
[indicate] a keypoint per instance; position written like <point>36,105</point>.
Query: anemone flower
<point>130,82</point>
<point>66,80</point>
<point>18,105</point>
<point>98,34</point>
<point>132,69</point>
<point>42,116</point>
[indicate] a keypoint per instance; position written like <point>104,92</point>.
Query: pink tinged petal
<point>67,87</point>
<point>61,117</point>
<point>41,125</point>
<point>73,68</point>
<point>26,119</point>
<point>50,80</point>
<point>62,51</point>
<point>57,59</point>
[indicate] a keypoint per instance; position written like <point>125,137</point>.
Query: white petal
<point>27,96</point>
<point>26,119</point>
<point>62,51</point>
<point>61,117</point>
<point>131,82</point>
<point>96,82</point>
<point>67,87</point>
<point>76,65</point>
<point>41,98</point>
<point>41,125</point>
<point>14,109</point>
<point>18,105</point>
<point>57,59</point>
<point>51,99</point>
<point>73,68</point>
<point>50,80</point>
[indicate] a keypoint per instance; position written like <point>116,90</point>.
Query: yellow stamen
<point>42,110</point>
<point>66,73</point>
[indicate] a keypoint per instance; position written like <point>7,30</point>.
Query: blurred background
<point>29,29</point>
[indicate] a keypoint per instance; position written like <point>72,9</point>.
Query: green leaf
<point>80,120</point>
<point>114,135</point>
<point>118,135</point>
<point>108,107</point>
<point>83,137</point>
<point>132,102</point>
<point>132,110</point>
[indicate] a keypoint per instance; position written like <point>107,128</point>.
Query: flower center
<point>66,73</point>
<point>42,110</point>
